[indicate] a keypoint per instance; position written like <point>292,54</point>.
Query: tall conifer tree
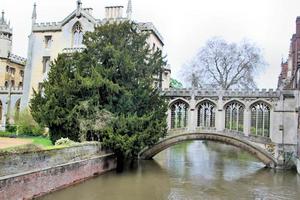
<point>106,92</point>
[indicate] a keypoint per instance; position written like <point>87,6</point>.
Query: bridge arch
<point>225,103</point>
<point>178,100</point>
<point>262,101</point>
<point>256,151</point>
<point>206,99</point>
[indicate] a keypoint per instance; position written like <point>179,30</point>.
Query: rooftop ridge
<point>217,92</point>
<point>150,26</point>
<point>17,59</point>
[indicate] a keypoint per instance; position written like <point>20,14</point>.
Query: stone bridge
<point>262,122</point>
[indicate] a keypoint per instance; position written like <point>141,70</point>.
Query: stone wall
<point>23,162</point>
<point>49,173</point>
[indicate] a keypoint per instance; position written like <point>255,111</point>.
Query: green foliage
<point>64,142</point>
<point>234,126</point>
<point>175,84</point>
<point>259,132</point>
<point>106,92</point>
<point>42,141</point>
<point>10,127</point>
<point>7,134</point>
<point>26,125</point>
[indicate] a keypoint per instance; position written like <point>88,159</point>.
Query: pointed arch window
<point>179,115</point>
<point>234,116</point>
<point>206,114</point>
<point>260,119</point>
<point>77,35</point>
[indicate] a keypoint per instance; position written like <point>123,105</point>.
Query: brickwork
<point>37,183</point>
<point>29,175</point>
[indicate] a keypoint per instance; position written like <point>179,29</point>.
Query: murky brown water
<point>197,170</point>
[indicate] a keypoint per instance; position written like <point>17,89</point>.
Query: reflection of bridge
<point>262,122</point>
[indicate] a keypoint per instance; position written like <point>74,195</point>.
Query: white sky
<point>185,25</point>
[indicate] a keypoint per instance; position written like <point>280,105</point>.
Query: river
<point>188,171</point>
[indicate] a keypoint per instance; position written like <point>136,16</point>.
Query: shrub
<point>10,128</point>
<point>64,142</point>
<point>27,126</point>
<point>7,134</point>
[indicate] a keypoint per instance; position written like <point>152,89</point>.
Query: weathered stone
<point>35,174</point>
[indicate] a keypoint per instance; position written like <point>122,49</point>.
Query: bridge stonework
<point>263,122</point>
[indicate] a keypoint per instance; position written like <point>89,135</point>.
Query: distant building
<point>47,40</point>
<point>282,80</point>
<point>11,66</point>
<point>290,74</point>
<point>11,74</point>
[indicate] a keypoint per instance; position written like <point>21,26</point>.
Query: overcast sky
<point>185,25</point>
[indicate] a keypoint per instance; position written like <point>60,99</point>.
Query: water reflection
<point>195,170</point>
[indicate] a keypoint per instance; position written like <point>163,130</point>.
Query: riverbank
<point>193,170</point>
<point>12,142</point>
<point>32,174</point>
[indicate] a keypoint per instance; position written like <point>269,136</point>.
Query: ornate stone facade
<point>290,75</point>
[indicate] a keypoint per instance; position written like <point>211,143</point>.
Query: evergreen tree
<point>106,92</point>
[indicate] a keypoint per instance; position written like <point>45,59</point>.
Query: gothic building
<point>11,66</point>
<point>11,74</point>
<point>47,40</point>
<point>290,74</point>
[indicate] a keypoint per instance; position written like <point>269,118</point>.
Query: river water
<point>188,171</point>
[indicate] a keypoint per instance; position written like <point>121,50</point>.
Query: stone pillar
<point>192,116</point>
<point>4,113</point>
<point>247,121</point>
<point>220,115</point>
<point>169,118</point>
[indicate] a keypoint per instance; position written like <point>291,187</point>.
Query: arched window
<point>206,114</point>
<point>77,35</point>
<point>234,116</point>
<point>179,115</point>
<point>260,119</point>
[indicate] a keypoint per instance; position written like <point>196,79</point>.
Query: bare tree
<point>224,65</point>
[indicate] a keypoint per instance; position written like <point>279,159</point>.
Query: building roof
<point>5,25</point>
<point>17,59</point>
<point>149,26</point>
<point>85,12</point>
